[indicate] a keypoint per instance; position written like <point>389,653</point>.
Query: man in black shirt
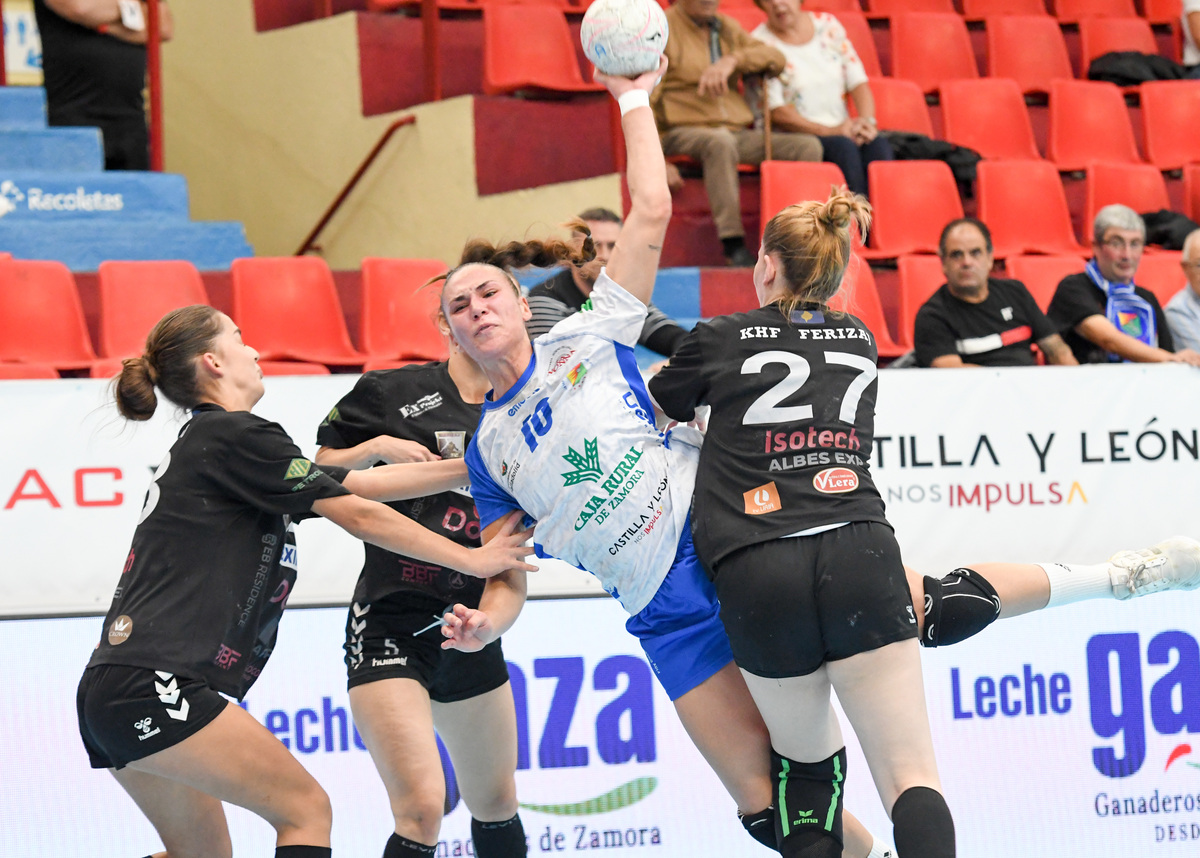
<point>565,293</point>
<point>94,64</point>
<point>1102,315</point>
<point>978,320</point>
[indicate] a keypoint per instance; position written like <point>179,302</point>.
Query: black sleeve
<point>260,465</point>
<point>1074,300</point>
<point>357,417</point>
<point>682,385</point>
<point>660,333</point>
<point>932,336</point>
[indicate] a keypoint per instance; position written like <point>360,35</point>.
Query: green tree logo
<point>587,466</point>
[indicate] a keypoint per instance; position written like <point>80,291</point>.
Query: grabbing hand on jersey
<point>506,550</point>
<point>467,629</point>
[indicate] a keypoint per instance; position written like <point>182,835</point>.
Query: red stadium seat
<point>1162,274</point>
<point>1139,186</point>
<point>288,309</point>
<point>913,200</point>
<point>1163,11</point>
<point>397,314</point>
<point>106,368</point>
<point>1171,113</point>
<point>135,295</point>
<point>1042,274</point>
<point>1024,206</point>
<point>1029,49</point>
<point>860,296</point>
<point>748,16</point>
<point>989,116</point>
<point>858,31</point>
<point>372,365</point>
<point>929,48</point>
<point>27,370</point>
<point>292,367</point>
<point>787,182</point>
<point>1191,191</point>
<point>833,6</point>
<point>900,106</point>
<point>1099,36</point>
<point>900,7</point>
<point>1071,11</point>
<point>41,318</point>
<point>1089,122</point>
<point>977,10</point>
<point>920,276</point>
<point>529,47</point>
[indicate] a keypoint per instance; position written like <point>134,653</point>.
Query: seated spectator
<point>810,95</point>
<point>701,114</point>
<point>1101,314</point>
<point>975,319</point>
<point>1183,310</point>
<point>1190,24</point>
<point>553,300</point>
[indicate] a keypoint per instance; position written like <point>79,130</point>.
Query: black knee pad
<point>809,821</point>
<point>499,839</point>
<point>761,826</point>
<point>958,606</point>
<point>922,824</point>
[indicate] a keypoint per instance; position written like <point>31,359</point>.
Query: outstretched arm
<point>634,261</point>
<point>503,597</point>
<point>414,480</point>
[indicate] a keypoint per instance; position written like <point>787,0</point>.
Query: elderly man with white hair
<point>1183,311</point>
<point>1102,315</point>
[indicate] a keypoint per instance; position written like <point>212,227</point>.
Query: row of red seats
<point>1022,202</point>
<point>921,276</point>
<point>286,307</point>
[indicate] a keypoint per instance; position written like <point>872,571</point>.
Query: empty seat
<point>27,370</point>
<point>913,200</point>
<point>1163,11</point>
<point>1191,191</point>
<point>748,16</point>
<point>899,7</point>
<point>1042,274</point>
<point>1089,122</point>
<point>292,367</point>
<point>288,309</point>
<point>1024,206</point>
<point>135,295</point>
<point>1099,36</point>
<point>989,116</point>
<point>106,368</point>
<point>1139,186</point>
<point>1171,113</point>
<point>529,47</point>
<point>1028,49</point>
<point>976,10</point>
<point>920,277</point>
<point>1162,274</point>
<point>900,106</point>
<point>41,318</point>
<point>858,31</point>
<point>787,182</point>
<point>929,48</point>
<point>833,6</point>
<point>860,296</point>
<point>397,314</point>
<point>1071,11</point>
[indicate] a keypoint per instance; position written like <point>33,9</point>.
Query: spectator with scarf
<point>1102,315</point>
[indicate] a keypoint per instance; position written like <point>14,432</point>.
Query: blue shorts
<point>681,630</point>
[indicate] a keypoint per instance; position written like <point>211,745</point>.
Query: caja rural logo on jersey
<point>616,486</point>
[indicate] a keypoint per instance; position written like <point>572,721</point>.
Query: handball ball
<point>624,37</point>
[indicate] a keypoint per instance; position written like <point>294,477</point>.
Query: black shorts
<point>380,644</point>
<point>789,605</point>
<point>127,713</point>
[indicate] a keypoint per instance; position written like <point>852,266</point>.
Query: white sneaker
<point>1173,564</point>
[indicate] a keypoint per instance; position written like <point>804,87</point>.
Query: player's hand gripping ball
<point>624,37</point>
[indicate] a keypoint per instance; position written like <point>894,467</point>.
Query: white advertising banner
<point>1016,464</point>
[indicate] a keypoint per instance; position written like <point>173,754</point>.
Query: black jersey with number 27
<point>214,554</point>
<point>789,437</point>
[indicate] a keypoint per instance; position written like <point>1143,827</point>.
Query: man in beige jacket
<point>701,114</point>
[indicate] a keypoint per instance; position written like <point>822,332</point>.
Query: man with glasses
<point>1183,310</point>
<point>976,319</point>
<point>1103,316</point>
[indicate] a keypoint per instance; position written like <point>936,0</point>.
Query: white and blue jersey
<point>574,445</point>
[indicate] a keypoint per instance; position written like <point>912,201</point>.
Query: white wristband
<point>633,99</point>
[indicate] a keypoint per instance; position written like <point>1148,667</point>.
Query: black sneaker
<point>741,258</point>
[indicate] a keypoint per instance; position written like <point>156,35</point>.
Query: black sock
<point>402,847</point>
<point>504,839</point>
<point>922,824</point>
<point>732,243</point>
<point>761,826</point>
<point>303,852</point>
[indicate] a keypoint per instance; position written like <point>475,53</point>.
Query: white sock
<point>879,849</point>
<point>1076,582</point>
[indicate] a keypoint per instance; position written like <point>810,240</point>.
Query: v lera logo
<point>762,500</point>
<point>835,481</point>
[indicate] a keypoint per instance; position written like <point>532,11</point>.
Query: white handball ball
<point>624,37</point>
